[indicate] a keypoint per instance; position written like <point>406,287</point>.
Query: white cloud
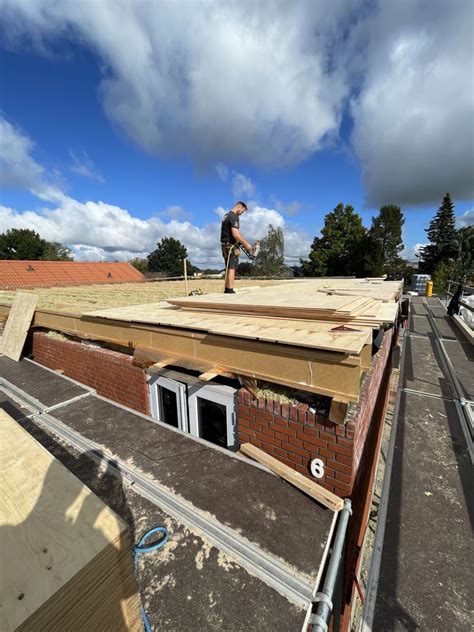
<point>84,166</point>
<point>222,171</point>
<point>220,81</point>
<point>102,231</point>
<point>288,208</point>
<point>466,219</point>
<point>242,186</point>
<point>409,253</point>
<point>17,168</point>
<point>413,118</point>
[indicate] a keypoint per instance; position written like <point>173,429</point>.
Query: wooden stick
<point>325,497</point>
<point>185,265</point>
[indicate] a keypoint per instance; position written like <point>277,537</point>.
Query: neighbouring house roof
<point>32,274</point>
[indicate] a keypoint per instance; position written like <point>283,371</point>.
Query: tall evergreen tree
<point>168,257</point>
<point>442,235</point>
<point>270,260</point>
<point>385,243</point>
<point>340,249</point>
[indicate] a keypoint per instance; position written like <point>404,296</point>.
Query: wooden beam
<point>325,497</point>
<point>324,372</point>
<point>211,374</point>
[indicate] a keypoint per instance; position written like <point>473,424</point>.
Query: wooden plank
<point>65,556</point>
<point>18,324</point>
<point>210,375</point>
<point>325,497</point>
<point>304,333</point>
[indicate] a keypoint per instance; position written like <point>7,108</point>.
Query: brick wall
<point>110,373</point>
<point>296,436</point>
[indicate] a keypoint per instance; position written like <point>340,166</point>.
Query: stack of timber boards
<point>302,333</point>
<point>299,301</point>
<point>65,556</point>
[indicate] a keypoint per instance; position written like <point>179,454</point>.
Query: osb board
<point>311,305</point>
<point>18,323</point>
<point>318,335</point>
<point>52,525</point>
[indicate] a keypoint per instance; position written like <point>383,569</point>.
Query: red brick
<point>268,432</point>
<point>266,439</point>
<point>343,477</point>
<point>344,441</point>
<point>311,442</point>
<point>285,410</point>
<point>339,449</point>
<point>279,452</point>
<point>288,432</point>
<point>346,469</point>
<point>295,450</point>
<point>296,442</point>
<point>295,459</point>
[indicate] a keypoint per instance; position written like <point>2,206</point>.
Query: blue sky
<point>119,127</point>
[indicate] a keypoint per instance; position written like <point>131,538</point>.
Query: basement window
<point>194,406</point>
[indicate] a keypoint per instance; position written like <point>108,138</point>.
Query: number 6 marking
<point>317,468</point>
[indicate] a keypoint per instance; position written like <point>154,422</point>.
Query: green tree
<point>464,266</point>
<point>140,264</point>
<point>270,259</point>
<point>55,251</point>
<point>385,243</point>
<point>168,257</point>
<point>26,244</point>
<point>340,249</point>
<point>442,236</point>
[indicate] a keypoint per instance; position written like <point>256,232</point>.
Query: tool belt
<point>227,247</point>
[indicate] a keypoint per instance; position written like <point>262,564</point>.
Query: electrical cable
<point>140,550</point>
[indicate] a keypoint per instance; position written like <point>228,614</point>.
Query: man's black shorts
<point>234,259</point>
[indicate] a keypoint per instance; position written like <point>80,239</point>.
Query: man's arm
<point>238,237</point>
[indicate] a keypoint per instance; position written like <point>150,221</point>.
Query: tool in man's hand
<point>251,254</point>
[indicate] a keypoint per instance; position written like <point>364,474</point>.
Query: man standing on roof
<point>230,238</point>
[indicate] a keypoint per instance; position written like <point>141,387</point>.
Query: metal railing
<point>466,291</point>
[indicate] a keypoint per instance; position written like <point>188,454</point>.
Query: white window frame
<point>176,387</point>
<point>219,394</point>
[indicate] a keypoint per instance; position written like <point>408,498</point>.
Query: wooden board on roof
<point>65,556</point>
<point>304,333</point>
<point>18,324</point>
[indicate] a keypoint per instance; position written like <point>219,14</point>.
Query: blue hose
<point>140,550</point>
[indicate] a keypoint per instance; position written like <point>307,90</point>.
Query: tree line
<point>343,248</point>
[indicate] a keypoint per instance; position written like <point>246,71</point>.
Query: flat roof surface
<point>425,580</point>
<point>193,581</point>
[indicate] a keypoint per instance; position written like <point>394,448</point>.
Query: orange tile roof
<point>24,274</point>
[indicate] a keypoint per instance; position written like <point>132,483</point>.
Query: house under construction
<point>248,425</point>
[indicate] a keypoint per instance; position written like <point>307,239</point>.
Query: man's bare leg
<point>229,285</point>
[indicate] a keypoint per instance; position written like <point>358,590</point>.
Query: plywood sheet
<point>58,539</point>
<point>18,323</point>
<point>303,333</point>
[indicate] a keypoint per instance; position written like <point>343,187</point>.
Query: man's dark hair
<point>241,203</point>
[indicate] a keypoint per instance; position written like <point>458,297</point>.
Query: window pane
<point>168,406</point>
<point>212,421</point>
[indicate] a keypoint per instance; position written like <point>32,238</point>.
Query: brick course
<point>295,435</point>
<point>110,373</point>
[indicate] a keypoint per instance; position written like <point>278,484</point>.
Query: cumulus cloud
<point>413,118</point>
<point>84,166</point>
<point>409,253</point>
<point>220,81</point>
<point>268,82</point>
<point>466,219</point>
<point>288,208</point>
<point>102,231</point>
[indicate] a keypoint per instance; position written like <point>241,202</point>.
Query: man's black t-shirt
<point>231,220</point>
